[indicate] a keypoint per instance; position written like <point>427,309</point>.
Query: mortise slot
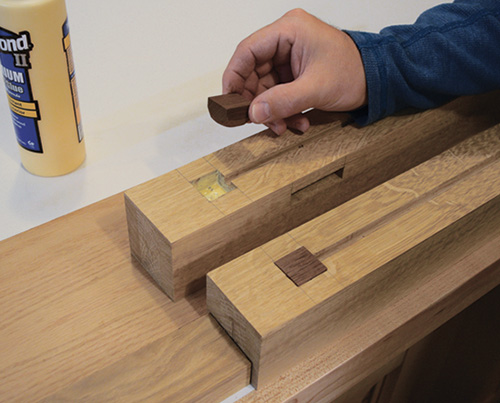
<point>340,173</point>
<point>318,186</point>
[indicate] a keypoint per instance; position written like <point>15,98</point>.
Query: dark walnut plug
<point>229,110</point>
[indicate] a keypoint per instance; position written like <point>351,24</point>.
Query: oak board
<point>265,185</point>
<point>73,302</point>
<point>397,325</point>
<point>197,363</point>
<point>441,209</point>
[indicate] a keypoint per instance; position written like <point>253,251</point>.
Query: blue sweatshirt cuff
<point>376,78</point>
<point>451,50</point>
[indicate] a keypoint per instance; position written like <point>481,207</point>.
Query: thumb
<point>281,102</point>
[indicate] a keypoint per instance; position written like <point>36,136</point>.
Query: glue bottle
<point>39,76</point>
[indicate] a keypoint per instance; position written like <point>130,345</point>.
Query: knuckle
<point>241,46</point>
<point>297,13</point>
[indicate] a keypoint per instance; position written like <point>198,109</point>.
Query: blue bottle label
<point>15,59</point>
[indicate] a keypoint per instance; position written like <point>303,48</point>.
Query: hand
<point>293,64</point>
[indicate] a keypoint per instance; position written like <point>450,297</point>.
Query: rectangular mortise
<point>318,186</point>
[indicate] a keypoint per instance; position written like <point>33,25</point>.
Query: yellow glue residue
<point>212,186</point>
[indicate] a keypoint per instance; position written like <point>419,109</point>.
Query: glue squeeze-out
<point>38,71</point>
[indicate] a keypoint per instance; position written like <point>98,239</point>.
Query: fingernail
<point>260,112</point>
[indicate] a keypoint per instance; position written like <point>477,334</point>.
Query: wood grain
<point>382,337</point>
<point>197,363</point>
<point>459,362</point>
<point>72,302</point>
<point>300,266</point>
<point>277,329</point>
<point>364,214</point>
<point>178,235</point>
<point>229,109</point>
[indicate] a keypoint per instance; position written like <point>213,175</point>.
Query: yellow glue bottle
<point>38,71</point>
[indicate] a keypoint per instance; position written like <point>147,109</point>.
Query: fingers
<point>242,67</point>
<point>255,54</point>
<point>297,124</point>
<point>261,69</point>
<point>296,63</point>
<point>282,101</point>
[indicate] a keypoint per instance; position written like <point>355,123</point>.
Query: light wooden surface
<point>197,363</point>
<point>72,302</point>
<point>372,388</point>
<point>281,182</point>
<point>459,362</point>
<point>444,208</point>
<point>382,337</point>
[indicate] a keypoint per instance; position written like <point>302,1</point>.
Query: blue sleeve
<point>452,49</point>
